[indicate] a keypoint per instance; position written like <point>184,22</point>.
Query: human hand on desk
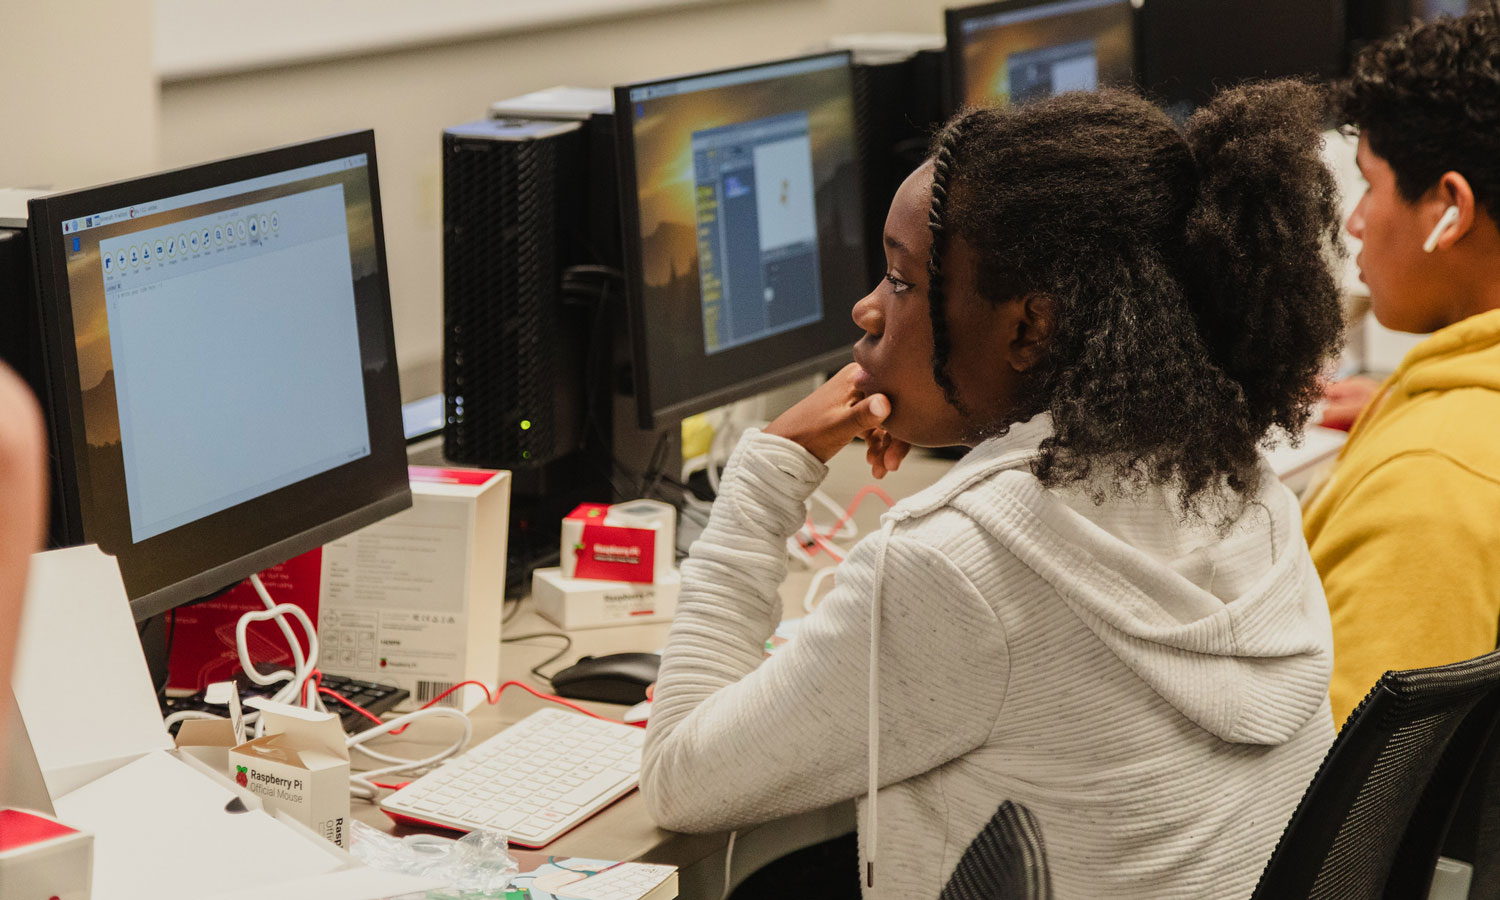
<point>1345,400</point>
<point>836,413</point>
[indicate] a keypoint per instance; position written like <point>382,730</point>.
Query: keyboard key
<point>581,795</point>
<point>506,820</point>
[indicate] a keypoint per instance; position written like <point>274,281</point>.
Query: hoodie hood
<point>1228,625</point>
<point>1465,354</point>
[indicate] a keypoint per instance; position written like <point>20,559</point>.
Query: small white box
<point>415,600</point>
<point>299,767</point>
<point>43,859</point>
<point>586,603</point>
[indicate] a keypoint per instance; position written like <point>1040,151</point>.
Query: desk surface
<point>625,830</point>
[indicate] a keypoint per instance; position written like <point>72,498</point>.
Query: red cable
<point>490,699</point>
<point>821,540</point>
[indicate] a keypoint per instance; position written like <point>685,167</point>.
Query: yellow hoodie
<point>1406,532</point>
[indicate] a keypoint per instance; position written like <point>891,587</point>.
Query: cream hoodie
<point>1155,693</point>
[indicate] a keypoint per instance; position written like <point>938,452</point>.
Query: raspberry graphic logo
<point>240,778</point>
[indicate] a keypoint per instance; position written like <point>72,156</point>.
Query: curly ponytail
<point>1266,204</point>
<point>1189,272</point>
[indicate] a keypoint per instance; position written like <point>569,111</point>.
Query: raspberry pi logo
<point>240,778</point>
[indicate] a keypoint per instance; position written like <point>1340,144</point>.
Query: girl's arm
<point>734,740</point>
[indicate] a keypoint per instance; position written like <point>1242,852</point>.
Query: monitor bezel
<point>313,513</point>
<point>649,415</point>
<point>955,16</point>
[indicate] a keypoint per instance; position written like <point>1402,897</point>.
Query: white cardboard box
<point>586,603</point>
<point>415,600</point>
<point>299,767</point>
<point>43,859</point>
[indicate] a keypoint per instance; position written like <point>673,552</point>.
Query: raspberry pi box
<point>299,767</point>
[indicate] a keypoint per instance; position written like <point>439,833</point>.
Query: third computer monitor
<point>743,230</point>
<point>1020,50</point>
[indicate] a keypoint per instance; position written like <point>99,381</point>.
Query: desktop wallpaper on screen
<point>1019,61</point>
<point>214,225</point>
<point>799,129</point>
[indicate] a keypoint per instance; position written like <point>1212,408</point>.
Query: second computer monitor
<point>1019,50</point>
<point>743,230</point>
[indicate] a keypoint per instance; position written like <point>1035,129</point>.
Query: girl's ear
<point>1032,329</point>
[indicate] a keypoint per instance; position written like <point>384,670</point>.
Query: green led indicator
<point>526,454</point>
<point>525,424</point>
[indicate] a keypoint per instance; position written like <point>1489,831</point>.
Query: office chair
<point>1374,819</point>
<point>1474,835</point>
<point>1005,860</point>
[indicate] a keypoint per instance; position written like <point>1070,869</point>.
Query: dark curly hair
<point>1188,268</point>
<point>1427,100</point>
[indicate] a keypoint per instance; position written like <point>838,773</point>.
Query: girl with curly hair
<point>1105,612</point>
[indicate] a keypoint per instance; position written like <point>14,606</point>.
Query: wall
<point>409,96</point>
<point>80,99</point>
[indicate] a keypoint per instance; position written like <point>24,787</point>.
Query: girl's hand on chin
<point>836,413</point>
<point>884,452</point>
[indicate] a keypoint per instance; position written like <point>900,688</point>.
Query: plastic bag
<point>474,867</point>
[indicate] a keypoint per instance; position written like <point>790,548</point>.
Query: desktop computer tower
<point>514,347</point>
<point>536,348</point>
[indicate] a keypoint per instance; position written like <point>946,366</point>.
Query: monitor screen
<point>221,363</point>
<point>744,226</point>
<point>1020,50</point>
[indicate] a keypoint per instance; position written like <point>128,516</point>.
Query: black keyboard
<point>373,698</point>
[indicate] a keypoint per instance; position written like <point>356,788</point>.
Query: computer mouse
<point>616,678</point>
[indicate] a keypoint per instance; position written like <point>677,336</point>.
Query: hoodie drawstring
<point>870,829</point>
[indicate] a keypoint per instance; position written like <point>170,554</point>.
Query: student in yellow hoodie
<point>1406,532</point>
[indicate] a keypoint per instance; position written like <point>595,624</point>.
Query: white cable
<point>848,531</point>
<point>693,464</point>
<point>362,785</point>
<point>728,864</point>
<point>182,715</point>
<point>818,578</point>
<point>796,551</point>
<point>291,691</point>
<point>299,690</point>
<point>286,630</point>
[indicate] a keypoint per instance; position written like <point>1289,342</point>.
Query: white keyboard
<point>627,881</point>
<point>533,781</point>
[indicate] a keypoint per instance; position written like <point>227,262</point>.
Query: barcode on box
<point>427,690</point>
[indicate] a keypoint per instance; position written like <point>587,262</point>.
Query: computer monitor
<point>219,364</point>
<point>1189,49</point>
<point>1019,50</point>
<point>743,230</point>
<point>1372,20</point>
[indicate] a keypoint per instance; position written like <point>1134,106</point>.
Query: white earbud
<point>1449,219</point>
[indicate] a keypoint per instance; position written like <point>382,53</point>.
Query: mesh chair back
<point>1474,835</point>
<point>1005,861</point>
<point>1349,832</point>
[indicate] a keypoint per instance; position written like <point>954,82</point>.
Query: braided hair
<point>944,146</point>
<point>1188,269</point>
